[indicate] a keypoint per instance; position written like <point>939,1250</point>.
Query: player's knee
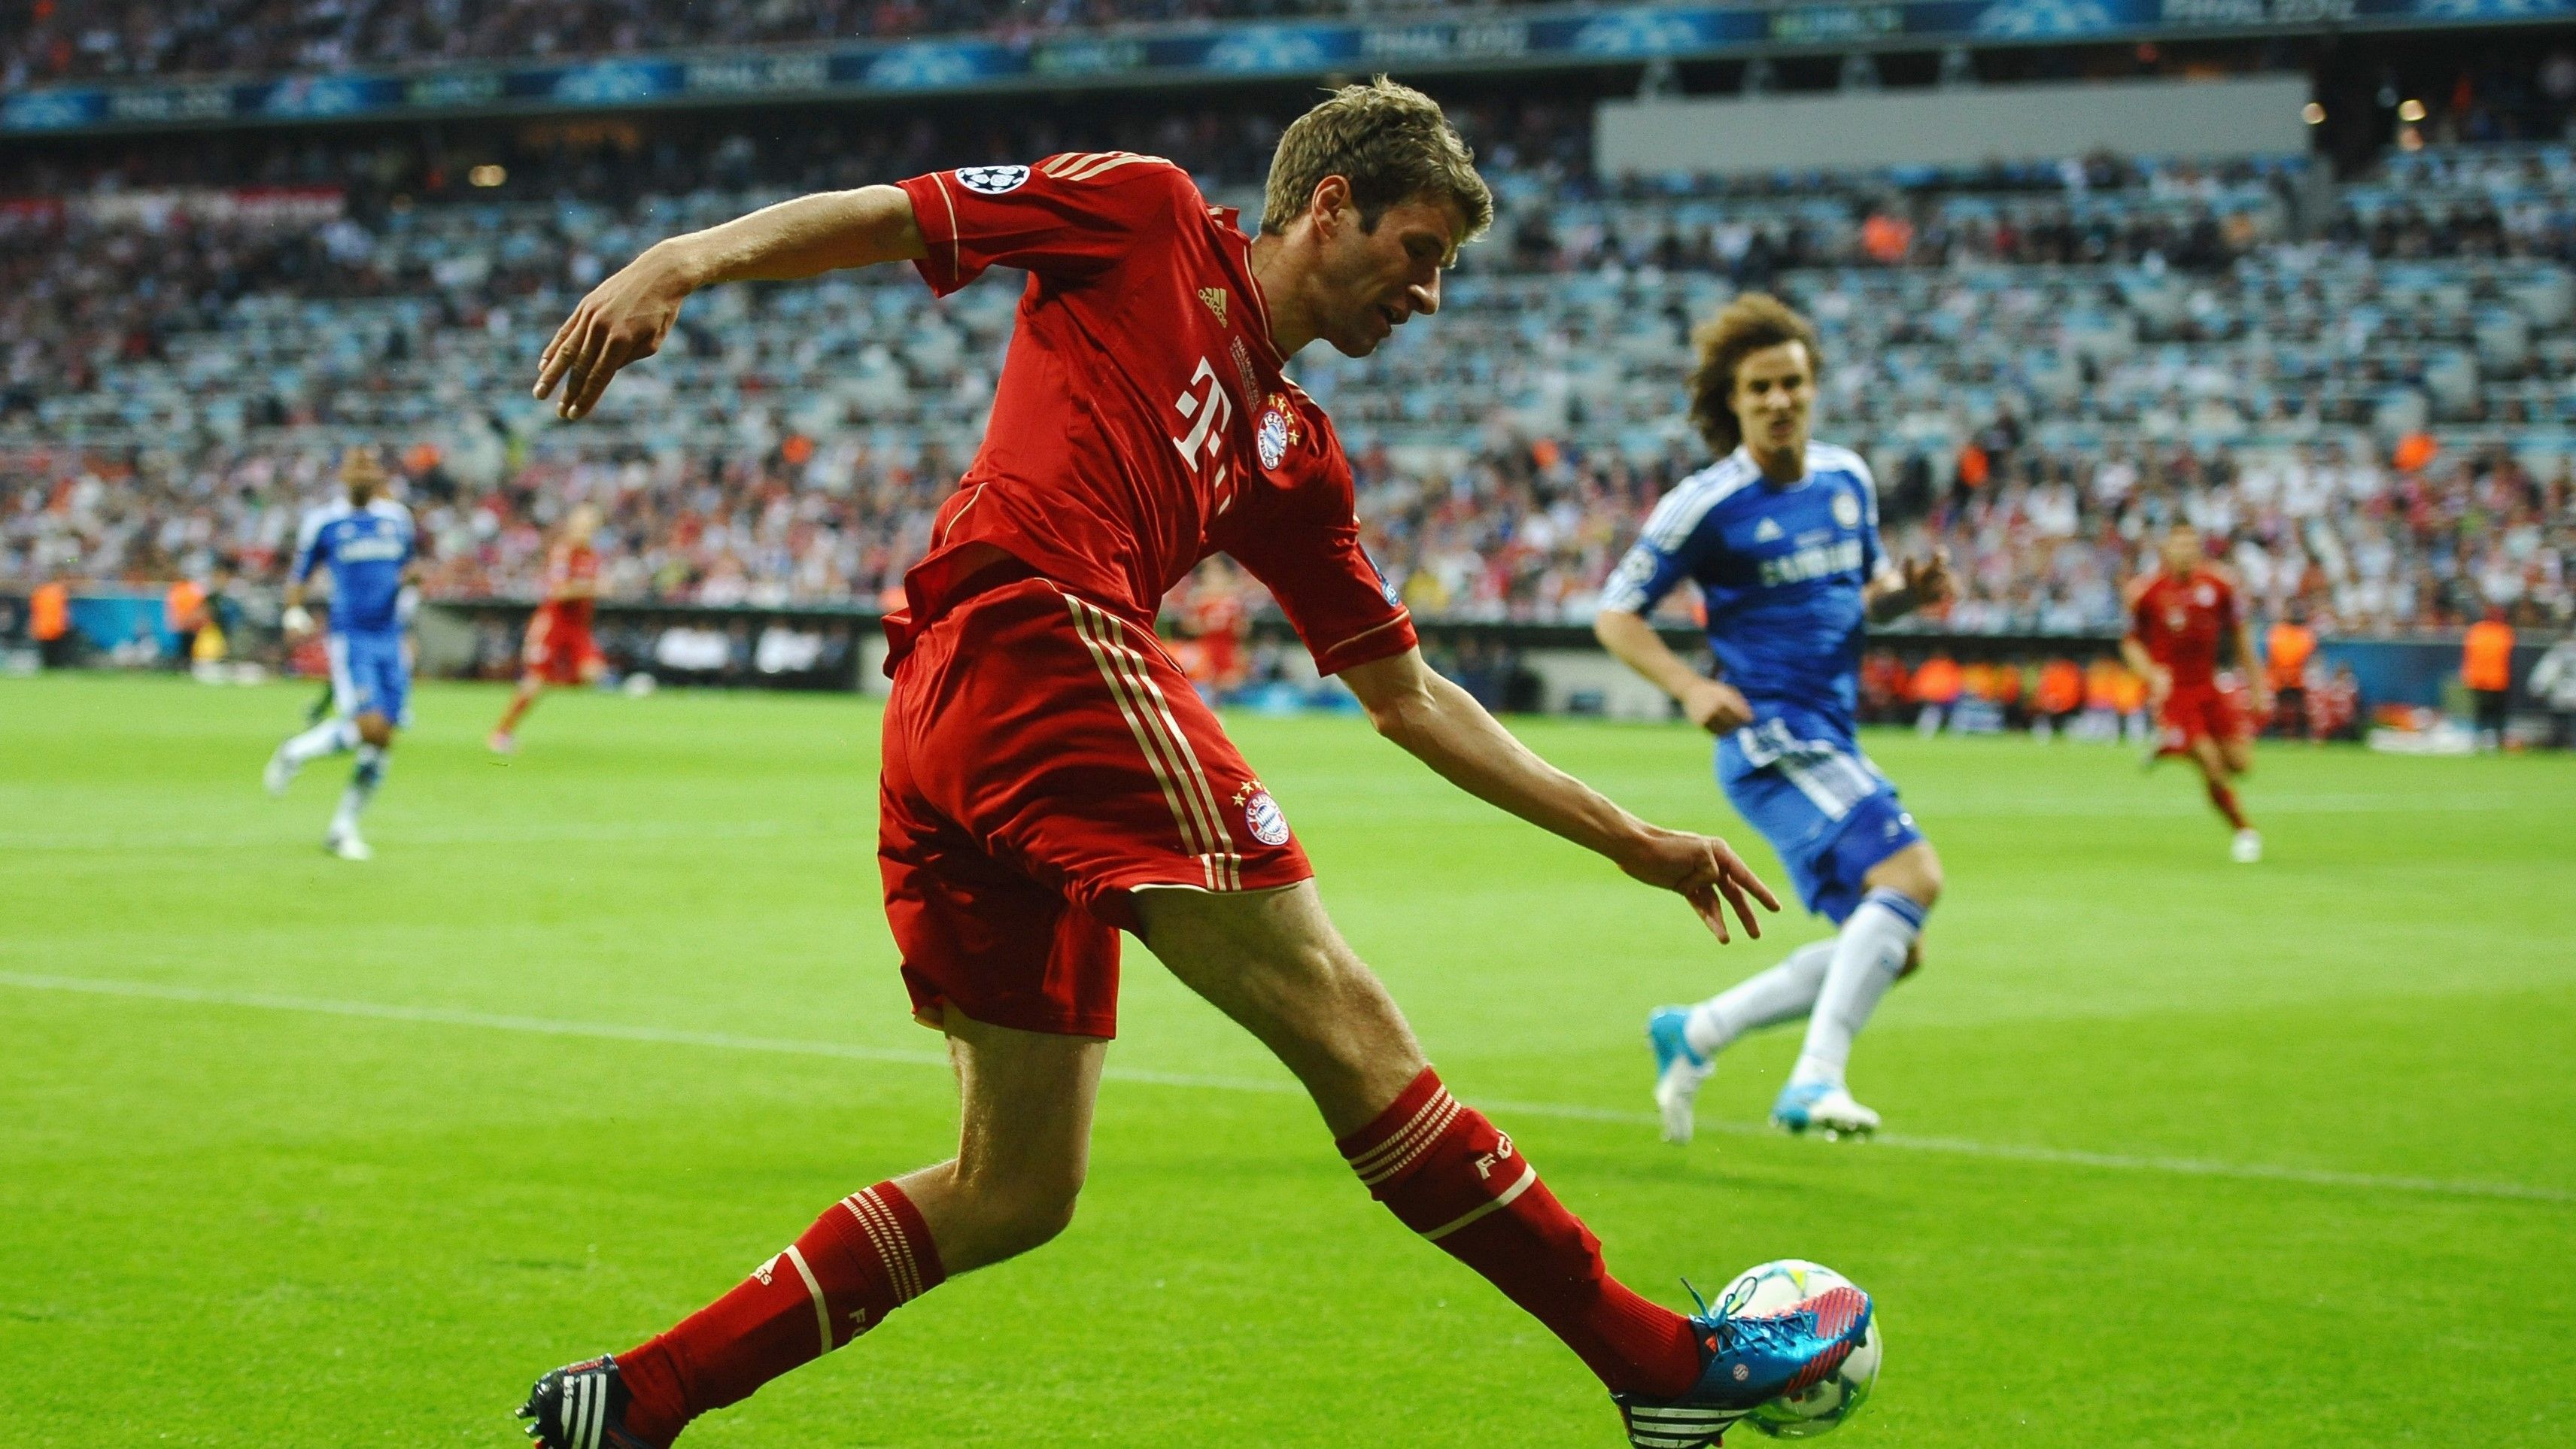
<point>1030,1213</point>
<point>1915,874</point>
<point>376,730</point>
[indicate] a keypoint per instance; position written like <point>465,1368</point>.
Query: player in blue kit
<point>367,542</point>
<point>1781,535</point>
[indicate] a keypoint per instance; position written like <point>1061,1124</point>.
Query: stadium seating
<point>88,39</point>
<point>2364,388</point>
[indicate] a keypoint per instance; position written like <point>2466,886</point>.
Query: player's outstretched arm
<point>625,318</point>
<point>2133,652</point>
<point>2258,688</point>
<point>1710,704</point>
<point>1443,726</point>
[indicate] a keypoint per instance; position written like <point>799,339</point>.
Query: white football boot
<point>1825,1107</point>
<point>1679,1071</point>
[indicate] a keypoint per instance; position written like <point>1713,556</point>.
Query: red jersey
<point>1142,420</point>
<point>567,566</point>
<point>2180,621</point>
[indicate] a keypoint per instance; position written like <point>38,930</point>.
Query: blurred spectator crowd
<point>2362,392</point>
<point>47,40</point>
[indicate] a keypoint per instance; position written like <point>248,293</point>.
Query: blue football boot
<point>1747,1360</point>
<point>1825,1107</point>
<point>1678,1070</point>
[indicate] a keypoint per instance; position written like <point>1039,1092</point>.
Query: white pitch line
<point>608,832</point>
<point>851,1051</point>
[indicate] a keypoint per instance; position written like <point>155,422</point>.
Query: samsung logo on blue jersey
<point>1812,563</point>
<point>370,550</point>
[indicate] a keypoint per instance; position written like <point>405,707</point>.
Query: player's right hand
<point>1717,707</point>
<point>623,320</point>
<point>1705,871</point>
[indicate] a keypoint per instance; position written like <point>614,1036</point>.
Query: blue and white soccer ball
<point>1829,1401</point>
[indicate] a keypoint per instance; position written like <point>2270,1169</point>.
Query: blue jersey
<point>1781,570</point>
<point>368,549</point>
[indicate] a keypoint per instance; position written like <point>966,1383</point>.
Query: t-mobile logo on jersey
<point>1207,412</point>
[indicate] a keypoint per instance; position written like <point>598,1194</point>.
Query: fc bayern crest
<point>1846,510</point>
<point>992,180</point>
<point>1269,824</point>
<point>1275,435</point>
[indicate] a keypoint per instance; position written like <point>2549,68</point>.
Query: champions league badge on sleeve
<point>1262,815</point>
<point>992,180</point>
<point>1846,510</point>
<point>1275,434</point>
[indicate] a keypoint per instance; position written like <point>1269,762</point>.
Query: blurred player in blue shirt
<point>367,543</point>
<point>1781,536</point>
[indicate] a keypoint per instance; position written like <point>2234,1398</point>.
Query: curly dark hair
<point>1748,324</point>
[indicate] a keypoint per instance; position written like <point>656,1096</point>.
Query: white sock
<point>1867,957</point>
<point>329,737</point>
<point>1786,992</point>
<point>362,788</point>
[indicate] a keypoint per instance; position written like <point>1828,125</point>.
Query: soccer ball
<point>1838,1395</point>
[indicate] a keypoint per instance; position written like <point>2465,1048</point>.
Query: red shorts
<point>2195,712</point>
<point>1044,758</point>
<point>559,652</point>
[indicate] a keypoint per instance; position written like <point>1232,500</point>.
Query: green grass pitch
<point>296,1152</point>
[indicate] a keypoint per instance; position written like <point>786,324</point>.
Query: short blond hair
<point>1748,324</point>
<point>1391,143</point>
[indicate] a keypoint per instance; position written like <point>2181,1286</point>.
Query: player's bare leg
<point>1025,1104</point>
<point>505,735</point>
<point>2220,762</point>
<point>1272,961</point>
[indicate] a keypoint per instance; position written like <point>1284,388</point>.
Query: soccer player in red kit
<point>1050,778</point>
<point>2177,618</point>
<point>559,647</point>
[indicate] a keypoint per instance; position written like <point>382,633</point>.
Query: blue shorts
<point>370,674</point>
<point>1820,802</point>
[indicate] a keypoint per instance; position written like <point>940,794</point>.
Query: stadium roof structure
<point>1201,53</point>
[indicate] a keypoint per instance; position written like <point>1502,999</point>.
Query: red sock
<point>1450,1176</point>
<point>2225,800</point>
<point>867,1256</point>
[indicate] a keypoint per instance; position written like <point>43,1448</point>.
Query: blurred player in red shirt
<point>2178,616</point>
<point>1050,778</point>
<point>559,647</point>
<point>1218,625</point>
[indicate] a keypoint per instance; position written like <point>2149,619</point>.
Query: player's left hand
<point>623,320</point>
<point>1928,581</point>
<point>1704,871</point>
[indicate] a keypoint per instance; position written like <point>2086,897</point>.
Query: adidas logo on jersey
<point>1766,532</point>
<point>1215,299</point>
